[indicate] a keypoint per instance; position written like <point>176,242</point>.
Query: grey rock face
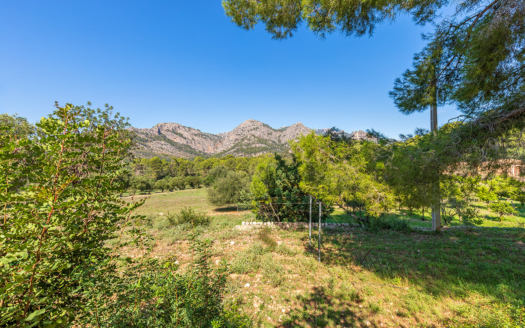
<point>250,138</point>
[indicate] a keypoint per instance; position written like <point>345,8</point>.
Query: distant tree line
<point>148,174</point>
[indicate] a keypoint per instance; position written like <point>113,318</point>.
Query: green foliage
<point>14,126</point>
<point>387,223</point>
<point>228,187</point>
<point>485,194</point>
<point>343,173</point>
<point>189,217</point>
<point>282,18</point>
<point>141,183</point>
<point>58,216</point>
<point>519,197</point>
<point>157,294</point>
<point>59,207</point>
<point>502,208</point>
<point>193,181</point>
<point>162,185</point>
<point>177,183</point>
<point>470,217</point>
<point>277,192</point>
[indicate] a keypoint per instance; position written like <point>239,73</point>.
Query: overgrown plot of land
<point>461,277</point>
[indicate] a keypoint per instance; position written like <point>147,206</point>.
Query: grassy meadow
<point>457,278</point>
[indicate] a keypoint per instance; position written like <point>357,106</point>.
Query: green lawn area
<point>415,219</point>
<point>457,278</point>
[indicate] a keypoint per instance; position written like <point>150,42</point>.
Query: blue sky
<point>185,62</point>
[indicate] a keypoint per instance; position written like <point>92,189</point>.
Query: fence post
<point>310,225</point>
<point>319,244</point>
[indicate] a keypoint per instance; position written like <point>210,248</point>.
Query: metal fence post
<point>319,244</point>
<point>310,225</point>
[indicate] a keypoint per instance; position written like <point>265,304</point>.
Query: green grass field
<point>457,278</point>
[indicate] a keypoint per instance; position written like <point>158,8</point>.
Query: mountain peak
<point>250,138</point>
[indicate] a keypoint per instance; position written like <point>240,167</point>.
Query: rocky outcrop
<point>250,138</point>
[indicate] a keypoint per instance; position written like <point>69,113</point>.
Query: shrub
<point>193,181</point>
<point>470,217</point>
<point>519,197</point>
<point>157,294</point>
<point>502,208</point>
<point>60,207</point>
<point>141,183</point>
<point>387,223</point>
<point>61,210</point>
<point>228,189</point>
<point>188,216</point>
<point>162,185</point>
<point>277,195</point>
<point>177,183</point>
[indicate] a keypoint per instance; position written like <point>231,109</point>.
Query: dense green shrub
<point>228,189</point>
<point>387,223</point>
<point>470,217</point>
<point>277,194</point>
<point>190,217</point>
<point>162,185</point>
<point>177,183</point>
<point>502,208</point>
<point>61,257</point>
<point>193,181</point>
<point>60,204</point>
<point>157,294</point>
<point>141,183</point>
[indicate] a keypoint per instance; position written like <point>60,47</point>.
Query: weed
<point>188,217</point>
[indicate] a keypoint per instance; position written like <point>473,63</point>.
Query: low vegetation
<point>386,273</point>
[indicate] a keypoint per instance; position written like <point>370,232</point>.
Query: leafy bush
<point>162,185</point>
<point>387,223</point>
<point>141,183</point>
<point>190,217</point>
<point>177,183</point>
<point>60,206</point>
<point>228,190</point>
<point>193,181</point>
<point>502,208</point>
<point>156,294</point>
<point>277,194</point>
<point>61,210</point>
<point>519,197</point>
<point>470,217</point>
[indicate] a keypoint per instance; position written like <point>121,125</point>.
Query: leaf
<point>35,314</point>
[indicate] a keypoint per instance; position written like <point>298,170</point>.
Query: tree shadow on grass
<point>451,263</point>
<point>226,209</point>
<point>326,307</point>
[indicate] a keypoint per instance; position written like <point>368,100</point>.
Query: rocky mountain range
<point>250,138</point>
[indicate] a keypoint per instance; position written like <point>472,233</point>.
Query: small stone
<point>368,323</point>
<point>217,262</point>
<point>232,243</point>
<point>176,262</point>
<point>284,311</point>
<point>247,285</point>
<point>161,214</point>
<point>360,306</point>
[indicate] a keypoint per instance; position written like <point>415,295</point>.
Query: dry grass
<point>456,278</point>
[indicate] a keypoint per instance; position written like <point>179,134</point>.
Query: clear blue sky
<point>185,62</point>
